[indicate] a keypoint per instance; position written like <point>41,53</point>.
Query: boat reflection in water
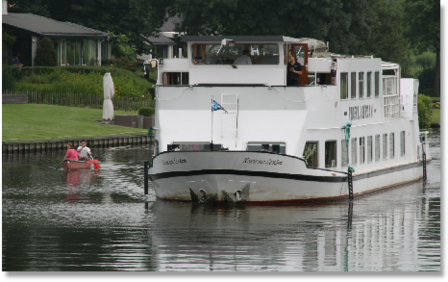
<point>76,178</point>
<point>374,233</point>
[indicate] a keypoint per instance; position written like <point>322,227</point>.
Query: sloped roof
<point>170,24</point>
<point>161,40</point>
<point>48,27</point>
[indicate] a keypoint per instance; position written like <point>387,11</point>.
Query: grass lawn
<point>33,122</point>
<point>435,117</point>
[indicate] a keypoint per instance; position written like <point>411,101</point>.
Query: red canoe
<point>69,165</point>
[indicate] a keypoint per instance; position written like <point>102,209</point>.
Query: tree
<point>123,48</point>
<point>46,54</point>
<point>423,19</point>
<point>424,106</point>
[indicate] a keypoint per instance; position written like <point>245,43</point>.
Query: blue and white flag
<point>217,107</point>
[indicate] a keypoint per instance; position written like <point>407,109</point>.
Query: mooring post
<point>145,165</point>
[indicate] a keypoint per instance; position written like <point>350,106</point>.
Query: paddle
<point>96,165</point>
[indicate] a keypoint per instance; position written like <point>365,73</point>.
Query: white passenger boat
<point>239,133</point>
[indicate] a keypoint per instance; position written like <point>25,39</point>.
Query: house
<point>75,44</point>
<point>165,45</point>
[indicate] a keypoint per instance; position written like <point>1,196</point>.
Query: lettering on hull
<point>262,162</point>
<point>360,112</point>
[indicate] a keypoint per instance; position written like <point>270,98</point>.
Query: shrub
<point>46,54</point>
<point>9,81</point>
<point>123,48</point>
<point>424,106</point>
<point>146,111</point>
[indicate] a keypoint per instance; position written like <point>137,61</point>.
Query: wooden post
<point>145,178</point>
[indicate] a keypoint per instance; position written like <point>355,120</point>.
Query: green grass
<point>32,122</point>
<point>434,99</point>
<point>435,117</point>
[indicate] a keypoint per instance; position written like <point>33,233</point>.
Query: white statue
<point>109,92</point>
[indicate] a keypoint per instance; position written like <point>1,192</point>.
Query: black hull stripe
<point>302,177</point>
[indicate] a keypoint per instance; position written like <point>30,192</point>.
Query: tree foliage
<point>46,54</point>
<point>424,106</point>
<point>123,48</point>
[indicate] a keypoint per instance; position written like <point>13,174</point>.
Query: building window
<point>402,143</point>
<point>344,155</point>
<point>344,85</point>
<point>369,84</point>
<point>362,150</point>
<point>88,52</point>
<point>330,154</point>
<point>310,154</point>
<point>391,145</point>
<point>353,85</point>
<point>354,151</point>
<point>377,84</point>
<point>277,148</point>
<point>385,146</point>
<point>361,85</point>
<point>377,148</point>
<point>369,149</point>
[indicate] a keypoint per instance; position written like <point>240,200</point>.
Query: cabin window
<point>377,148</point>
<point>362,150</point>
<point>197,146</point>
<point>344,85</point>
<point>310,154</point>
<point>369,84</point>
<point>377,84</point>
<point>354,151</point>
<point>330,154</point>
<point>369,149</point>
<point>175,78</point>
<point>278,148</point>
<point>353,85</point>
<point>385,146</point>
<point>361,85</point>
<point>402,143</point>
<point>344,155</point>
<point>216,54</point>
<point>391,145</point>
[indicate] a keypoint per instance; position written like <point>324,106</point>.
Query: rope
<point>346,129</point>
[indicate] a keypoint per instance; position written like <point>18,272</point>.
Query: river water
<point>102,221</point>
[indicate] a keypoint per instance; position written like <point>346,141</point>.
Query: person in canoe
<point>71,154</point>
<point>84,151</point>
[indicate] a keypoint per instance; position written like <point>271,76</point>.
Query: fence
<point>93,101</point>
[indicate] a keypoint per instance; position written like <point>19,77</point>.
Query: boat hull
<point>260,177</point>
<point>71,165</point>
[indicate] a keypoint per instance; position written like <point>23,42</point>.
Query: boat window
<point>310,154</point>
<point>369,84</point>
<point>377,84</point>
<point>377,148</point>
<point>193,147</point>
<point>362,150</point>
<point>330,154</point>
<point>278,148</point>
<point>385,146</point>
<point>344,85</point>
<point>361,85</point>
<point>353,85</point>
<point>402,143</point>
<point>216,54</point>
<point>369,149</point>
<point>392,145</point>
<point>354,151</point>
<point>175,78</point>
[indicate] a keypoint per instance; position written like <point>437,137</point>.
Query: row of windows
<point>362,150</point>
<point>359,85</point>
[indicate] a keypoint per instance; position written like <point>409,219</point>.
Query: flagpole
<point>211,137</point>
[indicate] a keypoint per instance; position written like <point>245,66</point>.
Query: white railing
<point>392,106</point>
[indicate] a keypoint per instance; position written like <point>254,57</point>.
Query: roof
<point>170,24</point>
<point>161,40</point>
<point>48,27</point>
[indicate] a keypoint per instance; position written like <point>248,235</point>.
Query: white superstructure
<point>280,143</point>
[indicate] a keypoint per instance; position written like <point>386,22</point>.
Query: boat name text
<point>360,112</point>
<point>174,161</point>
<point>262,162</point>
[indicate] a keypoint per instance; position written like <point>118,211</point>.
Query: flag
<point>217,107</point>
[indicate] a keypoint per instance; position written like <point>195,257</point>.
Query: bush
<point>9,81</point>
<point>146,112</point>
<point>46,54</point>
<point>424,106</point>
